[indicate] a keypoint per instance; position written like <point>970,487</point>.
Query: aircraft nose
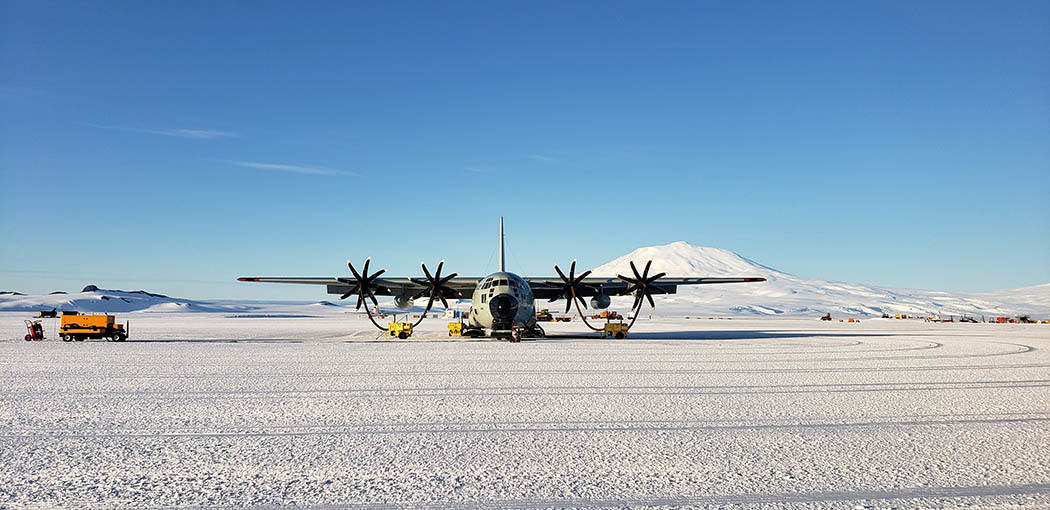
<point>503,307</point>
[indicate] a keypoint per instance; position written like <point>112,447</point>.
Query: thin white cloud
<point>542,159</point>
<point>297,169</point>
<point>203,134</point>
<point>199,134</point>
<point>486,171</point>
<point>19,94</point>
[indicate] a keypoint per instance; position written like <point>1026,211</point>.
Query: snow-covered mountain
<point>786,294</point>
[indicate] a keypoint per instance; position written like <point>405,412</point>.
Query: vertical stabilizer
<point>502,261</point>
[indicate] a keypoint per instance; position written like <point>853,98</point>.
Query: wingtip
<point>247,279</point>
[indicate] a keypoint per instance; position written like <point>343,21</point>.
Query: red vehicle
<point>35,332</point>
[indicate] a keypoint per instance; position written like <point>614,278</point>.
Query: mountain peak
<point>681,258</point>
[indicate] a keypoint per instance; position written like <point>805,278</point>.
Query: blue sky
<point>174,146</point>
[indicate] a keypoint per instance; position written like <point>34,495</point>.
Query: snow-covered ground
<point>203,409</point>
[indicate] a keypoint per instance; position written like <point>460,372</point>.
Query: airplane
<point>502,303</point>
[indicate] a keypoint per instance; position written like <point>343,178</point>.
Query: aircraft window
<point>501,282</point>
<point>483,299</point>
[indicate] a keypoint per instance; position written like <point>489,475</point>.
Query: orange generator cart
<point>80,327</point>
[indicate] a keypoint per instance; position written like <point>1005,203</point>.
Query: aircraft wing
<point>548,287</point>
<point>463,286</point>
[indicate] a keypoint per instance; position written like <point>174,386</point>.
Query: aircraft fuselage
<point>502,301</point>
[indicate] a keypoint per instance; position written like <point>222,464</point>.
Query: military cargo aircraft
<point>501,303</point>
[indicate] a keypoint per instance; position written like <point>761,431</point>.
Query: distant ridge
<point>783,294</point>
<point>95,300</point>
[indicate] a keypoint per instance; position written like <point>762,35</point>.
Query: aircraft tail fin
<point>502,260</point>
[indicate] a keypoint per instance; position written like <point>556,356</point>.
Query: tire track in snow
<point>517,427</point>
<point>549,390</point>
<point>880,495</point>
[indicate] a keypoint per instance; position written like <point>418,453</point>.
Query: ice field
<point>213,409</point>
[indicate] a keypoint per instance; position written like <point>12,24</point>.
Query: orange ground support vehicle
<point>81,327</point>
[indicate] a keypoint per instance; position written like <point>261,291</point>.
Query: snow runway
<point>209,410</point>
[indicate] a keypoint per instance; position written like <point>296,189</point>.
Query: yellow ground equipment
<point>455,329</point>
<point>80,327</point>
<point>563,318</point>
<point>544,316</point>
<point>617,330</point>
<point>401,330</point>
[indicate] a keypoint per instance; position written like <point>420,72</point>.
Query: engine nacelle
<point>600,301</point>
<point>403,302</point>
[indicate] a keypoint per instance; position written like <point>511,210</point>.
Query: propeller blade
<point>561,274</point>
<point>626,279</point>
<point>357,276</point>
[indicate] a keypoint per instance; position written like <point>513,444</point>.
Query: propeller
<point>570,285</point>
<point>435,286</point>
<point>642,285</point>
<point>362,283</point>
